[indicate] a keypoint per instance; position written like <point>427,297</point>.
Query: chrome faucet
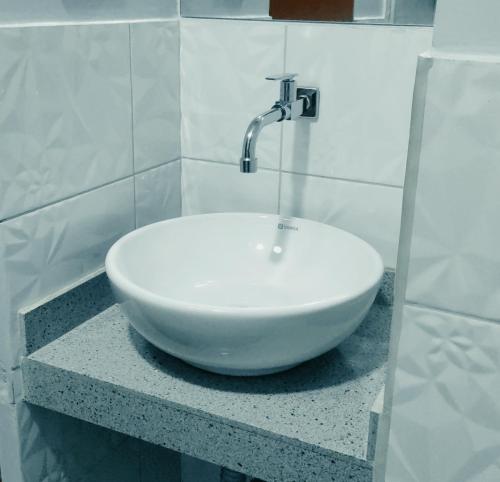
<point>294,102</point>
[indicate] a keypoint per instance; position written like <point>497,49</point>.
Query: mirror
<point>391,12</point>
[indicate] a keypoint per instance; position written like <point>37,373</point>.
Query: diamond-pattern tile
<point>65,112</point>
<point>49,248</point>
<point>158,194</point>
<point>72,11</point>
<point>445,423</point>
<point>156,93</point>
<point>454,257</point>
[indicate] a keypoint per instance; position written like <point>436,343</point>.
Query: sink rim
<point>164,302</point>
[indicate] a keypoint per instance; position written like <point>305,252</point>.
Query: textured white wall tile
<point>445,423</point>
<point>156,93</point>
<point>454,257</point>
<point>158,194</point>
<point>366,76</point>
<point>52,446</point>
<point>57,447</point>
<point>47,446</point>
<point>465,26</point>
<point>223,70</point>
<point>370,211</point>
<point>211,187</point>
<point>65,112</point>
<point>23,11</point>
<point>10,457</point>
<point>5,389</point>
<point>49,248</point>
<point>11,383</point>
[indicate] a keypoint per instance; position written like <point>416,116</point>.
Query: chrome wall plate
<point>311,111</point>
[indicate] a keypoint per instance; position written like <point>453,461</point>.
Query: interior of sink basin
<point>247,261</point>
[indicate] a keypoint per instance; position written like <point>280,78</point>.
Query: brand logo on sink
<point>287,227</point>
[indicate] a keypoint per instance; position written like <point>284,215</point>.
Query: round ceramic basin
<point>244,294</point>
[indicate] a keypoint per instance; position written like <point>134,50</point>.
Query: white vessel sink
<point>244,294</point>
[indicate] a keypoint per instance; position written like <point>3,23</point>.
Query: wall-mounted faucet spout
<point>293,103</point>
<point>248,163</point>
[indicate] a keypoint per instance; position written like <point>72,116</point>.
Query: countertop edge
<point>192,432</point>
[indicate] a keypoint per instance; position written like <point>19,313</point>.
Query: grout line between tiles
<point>83,23</point>
<point>181,191</point>
<point>156,166</point>
<point>132,117</point>
<point>181,90</point>
<point>285,171</point>
<point>86,191</point>
<point>451,312</point>
<point>344,179</point>
<point>282,129</point>
<point>181,112</point>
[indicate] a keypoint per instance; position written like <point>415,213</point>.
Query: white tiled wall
<point>56,245</point>
<point>223,69</point>
<point>65,113</point>
<point>370,211</point>
<point>455,237</point>
<point>348,167</point>
<point>45,446</point>
<point>445,384</point>
<point>156,94</point>
<point>446,417</point>
<point>366,76</point>
<point>57,11</point>
<point>89,148</point>
<point>10,457</point>
<point>465,26</point>
<point>158,193</point>
<point>80,79</point>
<point>214,187</point>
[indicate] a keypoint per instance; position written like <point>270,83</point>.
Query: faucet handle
<point>282,77</point>
<point>288,91</point>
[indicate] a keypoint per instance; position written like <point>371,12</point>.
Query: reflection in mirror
<point>396,12</point>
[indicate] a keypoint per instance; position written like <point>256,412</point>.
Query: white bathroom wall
<point>49,151</point>
<point>347,168</point>
<point>57,11</point>
<point>465,27</point>
<point>90,147</point>
<point>442,417</point>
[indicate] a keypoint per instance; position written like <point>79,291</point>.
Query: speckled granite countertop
<point>308,424</point>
